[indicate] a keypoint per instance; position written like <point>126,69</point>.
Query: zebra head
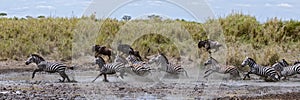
<point>211,60</point>
<point>34,58</point>
<point>208,62</point>
<point>247,61</point>
<point>278,66</point>
<point>283,63</point>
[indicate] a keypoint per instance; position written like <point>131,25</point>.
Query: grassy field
<point>64,38</point>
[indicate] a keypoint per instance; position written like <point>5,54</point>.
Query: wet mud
<point>16,83</point>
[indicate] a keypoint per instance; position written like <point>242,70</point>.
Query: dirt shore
<point>16,83</point>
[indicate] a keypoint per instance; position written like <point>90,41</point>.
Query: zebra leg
<point>275,77</point>
<point>284,78</point>
<point>105,78</point>
<point>247,75</point>
<point>122,73</point>
<point>64,76</point>
<point>208,74</point>
<point>36,70</point>
<point>207,71</point>
<point>97,77</point>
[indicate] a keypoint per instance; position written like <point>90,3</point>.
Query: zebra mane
<point>297,62</point>
<point>214,59</point>
<point>164,57</point>
<point>251,59</point>
<point>38,56</point>
<point>100,58</point>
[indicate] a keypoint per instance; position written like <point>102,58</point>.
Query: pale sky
<point>193,10</point>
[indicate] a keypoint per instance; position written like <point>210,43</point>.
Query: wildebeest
<point>136,54</point>
<point>128,50</point>
<point>102,50</point>
<point>209,44</point>
<point>124,48</point>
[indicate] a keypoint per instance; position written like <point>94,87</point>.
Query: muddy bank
<point>16,83</point>
<point>123,90</point>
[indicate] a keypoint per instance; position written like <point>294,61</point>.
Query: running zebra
<point>223,69</point>
<point>139,67</point>
<point>134,57</point>
<point>162,61</point>
<point>266,72</point>
<point>50,67</point>
<point>278,66</point>
<point>109,69</point>
<point>285,70</point>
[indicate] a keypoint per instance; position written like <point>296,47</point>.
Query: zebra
<point>139,67</point>
<point>109,69</point>
<point>120,59</point>
<point>285,70</point>
<point>50,67</point>
<point>133,59</point>
<point>266,72</point>
<point>223,69</point>
<point>209,44</point>
<point>278,66</point>
<point>162,61</point>
<point>136,54</point>
<point>296,62</point>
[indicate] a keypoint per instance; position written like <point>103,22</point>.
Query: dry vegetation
<point>64,38</point>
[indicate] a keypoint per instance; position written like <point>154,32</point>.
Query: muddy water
<point>155,86</point>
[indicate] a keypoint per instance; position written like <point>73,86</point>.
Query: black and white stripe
<point>223,69</point>
<point>109,69</point>
<point>50,67</point>
<point>139,69</point>
<point>285,70</point>
<point>267,72</point>
<point>162,61</point>
<point>278,66</point>
<point>137,66</point>
<point>290,70</point>
<point>133,59</point>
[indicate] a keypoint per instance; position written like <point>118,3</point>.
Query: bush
<point>243,36</point>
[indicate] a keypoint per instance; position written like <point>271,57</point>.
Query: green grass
<point>64,38</point>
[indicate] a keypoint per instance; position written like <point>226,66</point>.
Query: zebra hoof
<point>61,80</point>
<point>105,80</point>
